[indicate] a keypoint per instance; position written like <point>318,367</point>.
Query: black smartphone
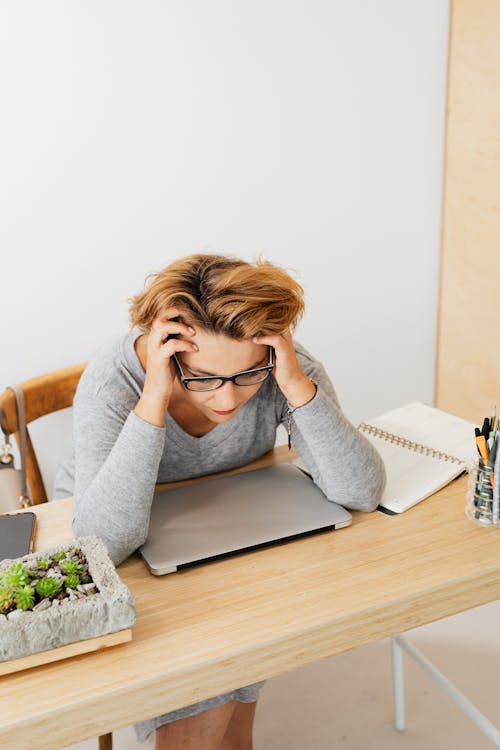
<point>17,532</point>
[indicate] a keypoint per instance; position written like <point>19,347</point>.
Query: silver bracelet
<point>291,410</point>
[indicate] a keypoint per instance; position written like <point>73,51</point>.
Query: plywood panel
<point>468,353</point>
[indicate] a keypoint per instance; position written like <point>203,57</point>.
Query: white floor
<point>346,702</point>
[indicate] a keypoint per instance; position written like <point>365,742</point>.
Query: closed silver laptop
<point>217,517</point>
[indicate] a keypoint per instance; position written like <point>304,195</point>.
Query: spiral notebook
<point>423,449</point>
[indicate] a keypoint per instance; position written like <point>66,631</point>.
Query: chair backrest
<point>43,395</point>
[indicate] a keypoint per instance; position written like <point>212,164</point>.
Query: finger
<point>276,341</point>
<point>161,331</point>
<point>168,318</point>
<point>168,313</point>
<point>167,334</point>
<point>172,346</point>
<point>171,313</point>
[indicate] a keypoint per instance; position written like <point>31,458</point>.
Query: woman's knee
<point>239,732</point>
<point>203,731</point>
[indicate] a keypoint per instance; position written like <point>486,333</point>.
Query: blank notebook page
<point>413,476</point>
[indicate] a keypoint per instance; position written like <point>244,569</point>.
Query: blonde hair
<point>222,295</point>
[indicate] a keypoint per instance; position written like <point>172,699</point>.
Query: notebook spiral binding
<point>409,444</point>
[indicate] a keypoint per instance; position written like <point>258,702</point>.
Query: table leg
<point>106,741</point>
<point>398,686</point>
<point>481,721</point>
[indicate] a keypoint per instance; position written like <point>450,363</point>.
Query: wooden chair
<point>42,395</point>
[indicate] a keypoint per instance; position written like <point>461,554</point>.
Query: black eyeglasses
<point>211,382</point>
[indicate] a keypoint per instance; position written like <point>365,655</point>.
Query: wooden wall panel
<point>468,344</point>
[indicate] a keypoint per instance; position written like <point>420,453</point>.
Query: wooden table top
<point>222,625</point>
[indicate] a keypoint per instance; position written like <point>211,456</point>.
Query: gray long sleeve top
<point>116,458</point>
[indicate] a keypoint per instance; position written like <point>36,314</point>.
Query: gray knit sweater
<point>116,458</point>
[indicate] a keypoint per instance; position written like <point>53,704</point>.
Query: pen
<point>486,428</point>
<point>496,487</point>
<point>491,461</point>
<point>483,449</point>
<point>477,433</point>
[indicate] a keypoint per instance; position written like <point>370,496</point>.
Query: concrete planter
<point>111,609</point>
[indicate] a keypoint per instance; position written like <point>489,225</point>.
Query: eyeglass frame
<point>225,378</point>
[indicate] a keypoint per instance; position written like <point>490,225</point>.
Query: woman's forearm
<point>113,497</point>
<point>342,461</point>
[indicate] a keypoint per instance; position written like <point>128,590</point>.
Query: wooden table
<point>226,624</point>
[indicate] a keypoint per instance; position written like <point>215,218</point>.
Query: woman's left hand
<point>296,387</point>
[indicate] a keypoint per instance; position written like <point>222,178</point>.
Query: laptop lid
<point>217,517</point>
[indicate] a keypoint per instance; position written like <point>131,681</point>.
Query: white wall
<point>136,131</point>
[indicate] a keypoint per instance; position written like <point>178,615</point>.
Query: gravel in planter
<point>95,604</point>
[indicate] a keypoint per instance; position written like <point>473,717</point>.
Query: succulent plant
<point>15,576</point>
<point>48,586</point>
<point>20,585</point>
<point>72,580</point>
<point>25,597</point>
<point>70,566</point>
<point>6,600</point>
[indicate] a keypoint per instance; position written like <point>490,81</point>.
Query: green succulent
<point>70,566</point>
<point>6,600</point>
<point>44,564</point>
<point>59,555</point>
<point>48,586</point>
<point>15,576</point>
<point>25,597</point>
<point>72,580</point>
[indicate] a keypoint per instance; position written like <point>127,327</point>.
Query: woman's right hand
<point>153,403</point>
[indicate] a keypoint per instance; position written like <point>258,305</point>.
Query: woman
<point>200,385</point>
